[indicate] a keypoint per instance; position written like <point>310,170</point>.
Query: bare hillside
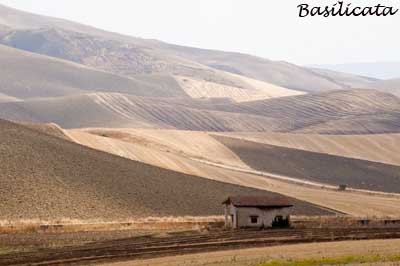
<point>337,112</point>
<point>277,72</point>
<point>118,110</point>
<point>61,180</point>
<point>317,167</point>
<point>378,148</point>
<point>128,55</point>
<point>128,59</point>
<point>341,112</point>
<point>188,144</point>
<point>390,86</point>
<point>58,77</point>
<point>349,80</point>
<point>49,77</point>
<point>206,157</point>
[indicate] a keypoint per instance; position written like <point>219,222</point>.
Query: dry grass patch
<point>345,260</point>
<point>75,225</point>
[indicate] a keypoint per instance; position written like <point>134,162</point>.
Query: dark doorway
<point>280,222</point>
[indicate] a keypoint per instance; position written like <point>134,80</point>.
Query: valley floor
<point>213,247</point>
<point>366,252</point>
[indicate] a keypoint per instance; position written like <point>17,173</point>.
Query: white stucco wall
<point>242,216</point>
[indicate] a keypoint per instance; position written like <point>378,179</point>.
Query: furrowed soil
<point>47,178</point>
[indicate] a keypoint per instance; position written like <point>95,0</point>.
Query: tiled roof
<point>259,201</point>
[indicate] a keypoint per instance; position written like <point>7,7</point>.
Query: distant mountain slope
<point>129,56</point>
<point>277,72</point>
<point>352,81</point>
<point>16,19</point>
<point>49,77</point>
<point>379,70</point>
<point>316,167</point>
<point>390,86</point>
<point>150,74</point>
<point>123,58</point>
<point>63,180</point>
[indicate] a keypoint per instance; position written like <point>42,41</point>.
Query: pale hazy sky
<point>268,28</point>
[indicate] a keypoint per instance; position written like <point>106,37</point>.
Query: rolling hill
<point>352,81</point>
<point>119,110</point>
<point>126,55</point>
<point>376,148</point>
<point>339,112</point>
<point>52,77</point>
<point>390,86</point>
<point>379,70</point>
<point>208,158</point>
<point>63,180</point>
<point>280,73</point>
<point>336,112</point>
<point>316,167</point>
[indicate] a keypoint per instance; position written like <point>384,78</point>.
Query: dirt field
<point>180,243</point>
<point>378,148</point>
<point>203,89</point>
<point>60,179</point>
<point>254,256</point>
<point>316,167</point>
<point>186,144</point>
<point>154,147</point>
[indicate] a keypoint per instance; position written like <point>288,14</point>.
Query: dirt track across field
<point>187,243</point>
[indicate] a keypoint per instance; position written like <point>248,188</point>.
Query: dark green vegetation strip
<point>376,258</point>
<point>317,167</point>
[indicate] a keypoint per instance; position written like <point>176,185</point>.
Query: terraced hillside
<point>60,179</point>
<point>342,112</point>
<point>378,148</point>
<point>316,167</point>
<point>337,112</point>
<point>119,110</point>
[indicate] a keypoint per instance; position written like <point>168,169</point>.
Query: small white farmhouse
<point>257,212</point>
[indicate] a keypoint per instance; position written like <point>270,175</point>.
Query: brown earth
<point>253,256</point>
<point>47,178</point>
<point>378,147</point>
<point>182,243</point>
<point>316,167</point>
<point>199,154</point>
